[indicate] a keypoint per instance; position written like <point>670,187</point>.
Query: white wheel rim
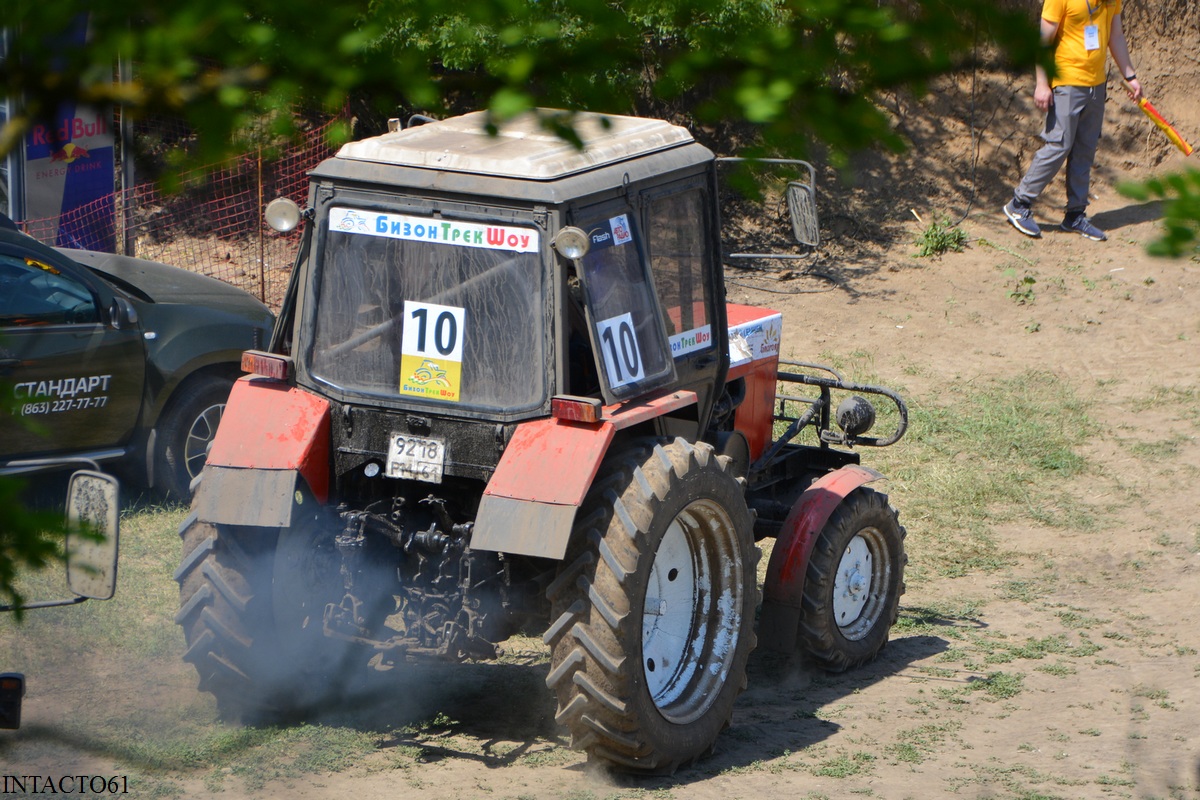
<point>692,613</point>
<point>861,574</point>
<point>199,437</point>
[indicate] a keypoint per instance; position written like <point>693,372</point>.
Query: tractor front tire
<point>853,584</point>
<point>653,608</point>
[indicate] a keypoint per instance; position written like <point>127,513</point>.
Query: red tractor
<point>505,390</point>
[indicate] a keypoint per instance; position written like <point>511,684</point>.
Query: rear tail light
<point>575,409</point>
<point>268,365</point>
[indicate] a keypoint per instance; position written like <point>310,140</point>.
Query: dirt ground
<point>1096,629</point>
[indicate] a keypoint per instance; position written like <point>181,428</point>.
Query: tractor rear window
<point>679,255</point>
<point>431,310</point>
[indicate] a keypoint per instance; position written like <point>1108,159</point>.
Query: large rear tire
<point>653,608</point>
<point>252,604</point>
<point>225,611</point>
<point>853,584</point>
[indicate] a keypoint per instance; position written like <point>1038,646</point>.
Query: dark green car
<point>115,359</point>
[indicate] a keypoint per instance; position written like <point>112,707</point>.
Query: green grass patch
<point>976,455</point>
<point>1000,685</point>
<point>1079,621</point>
<point>1159,450</point>
<point>844,765</point>
<point>1026,590</point>
<point>940,237</point>
<point>1184,401</point>
<point>984,454</point>
<point>1148,692</point>
<point>948,619</point>
<point>914,744</point>
<point>1058,669</point>
<point>137,624</point>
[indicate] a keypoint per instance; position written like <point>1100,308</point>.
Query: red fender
<point>529,505</point>
<point>269,433</point>
<point>783,589</point>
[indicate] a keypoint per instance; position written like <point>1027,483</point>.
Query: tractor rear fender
<point>783,589</point>
<point>528,507</point>
<point>529,504</point>
<point>271,435</point>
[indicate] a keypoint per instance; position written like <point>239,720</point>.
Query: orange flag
<point>1166,127</point>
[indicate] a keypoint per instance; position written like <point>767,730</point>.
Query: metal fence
<point>213,223</point>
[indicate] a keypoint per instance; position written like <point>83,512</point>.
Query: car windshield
<point>431,310</point>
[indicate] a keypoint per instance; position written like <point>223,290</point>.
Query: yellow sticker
<point>425,377</point>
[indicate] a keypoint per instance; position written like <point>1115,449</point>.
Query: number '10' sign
<point>432,330</point>
<point>619,346</point>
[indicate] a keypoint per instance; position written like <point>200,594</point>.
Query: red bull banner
<point>70,164</point>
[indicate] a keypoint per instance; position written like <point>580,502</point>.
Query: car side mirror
<point>122,314</point>
<point>93,533</point>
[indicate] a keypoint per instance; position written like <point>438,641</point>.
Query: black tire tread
<point>591,675</point>
<point>221,602</point>
<point>817,632</point>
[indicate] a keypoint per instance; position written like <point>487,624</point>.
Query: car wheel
<point>187,429</point>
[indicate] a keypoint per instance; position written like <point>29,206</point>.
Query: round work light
<point>282,214</point>
<point>572,243</point>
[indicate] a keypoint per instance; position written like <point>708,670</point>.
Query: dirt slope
<point>972,136</point>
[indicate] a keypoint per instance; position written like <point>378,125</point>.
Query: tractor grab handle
<point>819,409</point>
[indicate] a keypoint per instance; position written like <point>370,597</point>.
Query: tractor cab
<point>456,273</point>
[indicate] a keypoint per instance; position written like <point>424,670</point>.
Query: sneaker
<point>1022,219</point>
<point>1083,226</point>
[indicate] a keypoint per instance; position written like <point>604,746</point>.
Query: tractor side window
<point>627,331</point>
<point>36,293</point>
<point>679,259</point>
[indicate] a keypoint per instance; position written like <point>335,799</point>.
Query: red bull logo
<point>69,153</point>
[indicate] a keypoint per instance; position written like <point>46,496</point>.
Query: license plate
<point>416,458</point>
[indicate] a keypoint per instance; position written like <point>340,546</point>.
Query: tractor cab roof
<point>523,160</point>
<point>520,148</point>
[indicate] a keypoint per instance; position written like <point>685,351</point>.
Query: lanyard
<point>1092,12</point>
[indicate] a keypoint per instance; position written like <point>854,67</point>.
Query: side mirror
<point>93,533</point>
<point>802,208</point>
<point>122,314</point>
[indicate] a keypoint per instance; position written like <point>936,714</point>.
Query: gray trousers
<point>1072,132</point>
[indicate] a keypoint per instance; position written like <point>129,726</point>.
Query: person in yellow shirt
<point>1081,32</point>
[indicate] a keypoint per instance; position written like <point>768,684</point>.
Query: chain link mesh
<point>213,224</point>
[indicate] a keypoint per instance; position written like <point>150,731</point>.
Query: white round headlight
<point>571,243</point>
<point>282,214</point>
